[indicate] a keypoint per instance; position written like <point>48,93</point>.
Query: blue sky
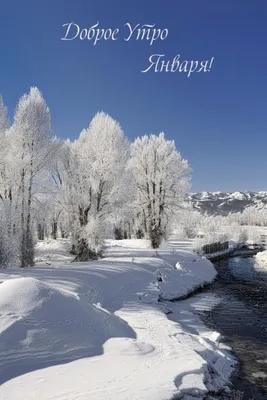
<point>217,119</point>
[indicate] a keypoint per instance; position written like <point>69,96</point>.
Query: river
<point>241,318</point>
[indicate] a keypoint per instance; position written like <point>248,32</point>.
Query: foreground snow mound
<point>40,327</point>
<point>19,297</point>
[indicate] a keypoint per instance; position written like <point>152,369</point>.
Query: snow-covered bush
<point>187,223</point>
<point>253,235</point>
<point>243,236</point>
<point>90,240</point>
<point>209,238</point>
<point>198,245</point>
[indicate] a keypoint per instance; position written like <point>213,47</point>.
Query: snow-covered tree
<point>4,124</point>
<point>96,185</point>
<point>187,223</point>
<point>7,244</point>
<point>33,149</point>
<point>4,151</point>
<point>88,189</point>
<point>161,179</point>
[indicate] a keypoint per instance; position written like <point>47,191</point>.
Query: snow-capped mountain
<point>219,203</point>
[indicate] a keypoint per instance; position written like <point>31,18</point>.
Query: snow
<point>218,363</point>
<point>261,258</point>
<point>97,330</point>
<point>40,326</point>
<point>205,195</point>
<point>55,250</point>
<point>238,196</point>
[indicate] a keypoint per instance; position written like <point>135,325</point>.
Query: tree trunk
<point>54,230</point>
<point>22,220</point>
<point>27,245</point>
<point>40,231</point>
<point>62,232</point>
<point>155,235</point>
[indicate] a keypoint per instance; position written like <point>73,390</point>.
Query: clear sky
<point>218,119</point>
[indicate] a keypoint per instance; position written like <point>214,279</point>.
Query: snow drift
<point>41,326</point>
<point>97,330</point>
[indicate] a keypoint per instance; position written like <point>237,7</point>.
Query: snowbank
<point>218,365</point>
<point>98,331</point>
<point>188,276</point>
<point>41,326</point>
<point>261,258</point>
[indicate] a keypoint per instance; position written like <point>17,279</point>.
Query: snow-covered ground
<point>261,258</point>
<point>106,330</point>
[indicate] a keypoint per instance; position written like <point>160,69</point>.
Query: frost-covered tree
<point>4,124</point>
<point>3,151</point>
<point>161,178</point>
<point>6,210</point>
<point>66,191</point>
<point>33,149</point>
<point>87,189</point>
<point>187,223</point>
<point>95,182</point>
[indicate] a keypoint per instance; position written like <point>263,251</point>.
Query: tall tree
<point>4,150</point>
<point>6,214</point>
<point>97,174</point>
<point>34,146</point>
<point>4,124</point>
<point>161,179</point>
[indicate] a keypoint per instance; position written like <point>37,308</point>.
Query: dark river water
<point>241,318</point>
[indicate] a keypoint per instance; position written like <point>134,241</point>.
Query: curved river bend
<point>241,317</point>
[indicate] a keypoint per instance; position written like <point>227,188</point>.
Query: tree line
<point>87,189</point>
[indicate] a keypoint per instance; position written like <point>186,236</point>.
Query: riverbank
<point>244,251</point>
<point>106,329</point>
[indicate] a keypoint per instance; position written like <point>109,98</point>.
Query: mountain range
<point>220,203</point>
